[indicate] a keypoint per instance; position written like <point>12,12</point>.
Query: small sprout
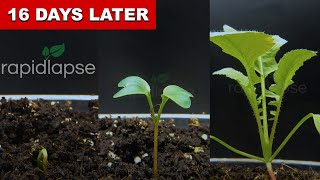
<point>42,161</point>
<point>137,160</point>
<point>194,122</point>
<point>204,137</point>
<point>133,85</point>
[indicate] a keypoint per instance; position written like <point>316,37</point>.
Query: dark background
<point>231,116</point>
<point>25,46</point>
<point>178,48</point>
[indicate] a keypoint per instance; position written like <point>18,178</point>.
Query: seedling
<point>42,160</point>
<point>256,51</point>
<point>136,85</point>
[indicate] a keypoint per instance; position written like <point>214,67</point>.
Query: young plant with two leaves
<point>257,51</point>
<point>133,85</point>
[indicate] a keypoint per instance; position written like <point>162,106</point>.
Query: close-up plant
<point>134,85</point>
<point>256,51</point>
<point>42,160</point>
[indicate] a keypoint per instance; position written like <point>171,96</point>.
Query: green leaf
<point>234,74</point>
<point>271,94</point>
<point>132,85</point>
<point>287,68</point>
<point>246,46</point>
<point>178,95</point>
<point>45,51</point>
<point>273,103</point>
<point>316,119</point>
<point>267,64</point>
<point>57,50</point>
<point>271,119</point>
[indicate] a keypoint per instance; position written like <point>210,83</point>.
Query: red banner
<point>78,14</point>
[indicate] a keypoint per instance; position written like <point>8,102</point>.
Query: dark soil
<point>82,147</point>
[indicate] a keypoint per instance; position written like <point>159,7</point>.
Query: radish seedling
<point>256,51</point>
<point>136,85</point>
<point>42,160</point>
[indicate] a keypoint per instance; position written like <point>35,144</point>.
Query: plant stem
<point>304,119</point>
<point>267,152</point>
<point>155,150</point>
<point>260,129</point>
<point>264,110</point>
<point>254,105</point>
<point>275,122</point>
<point>151,107</point>
<point>156,120</point>
<point>236,150</point>
<point>163,102</point>
<point>270,171</point>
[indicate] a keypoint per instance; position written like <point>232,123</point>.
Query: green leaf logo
<point>45,51</point>
<point>55,51</point>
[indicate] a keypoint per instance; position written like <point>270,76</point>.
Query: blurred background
<point>231,116</point>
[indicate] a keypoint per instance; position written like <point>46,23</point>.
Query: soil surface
<point>82,147</point>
